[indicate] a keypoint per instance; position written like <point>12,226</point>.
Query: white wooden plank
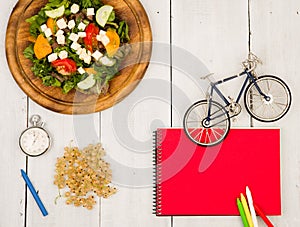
<point>275,39</point>
<point>12,120</point>
<point>224,221</point>
<point>126,132</point>
<point>64,129</point>
<point>215,32</point>
<point>127,136</point>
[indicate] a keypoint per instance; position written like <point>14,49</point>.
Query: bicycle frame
<point>267,99</point>
<point>249,79</point>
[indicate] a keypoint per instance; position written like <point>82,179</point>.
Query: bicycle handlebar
<point>251,63</point>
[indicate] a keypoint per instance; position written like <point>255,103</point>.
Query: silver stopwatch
<point>35,140</point>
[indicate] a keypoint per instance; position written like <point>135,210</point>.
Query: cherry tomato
<point>90,40</point>
<point>65,66</point>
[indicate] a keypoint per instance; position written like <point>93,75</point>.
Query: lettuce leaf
<point>51,81</point>
<point>35,23</point>
<point>29,52</point>
<point>88,3</point>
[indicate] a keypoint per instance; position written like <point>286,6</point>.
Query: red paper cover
<point>196,180</point>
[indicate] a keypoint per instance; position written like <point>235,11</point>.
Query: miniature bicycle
<point>267,98</point>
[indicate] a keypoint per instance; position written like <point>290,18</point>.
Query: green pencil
<point>242,212</point>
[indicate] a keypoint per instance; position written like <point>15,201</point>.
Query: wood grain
<point>13,121</point>
<point>217,34</point>
<point>275,39</point>
<point>42,169</point>
<point>129,144</point>
<point>75,102</point>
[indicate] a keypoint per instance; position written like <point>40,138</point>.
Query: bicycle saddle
<point>206,76</point>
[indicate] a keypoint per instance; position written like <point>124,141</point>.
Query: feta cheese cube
<point>90,11</point>
<point>98,37</point>
<point>52,57</point>
<point>73,37</point>
<point>60,39</point>
<point>71,24</point>
<point>48,32</point>
<point>74,8</point>
<point>102,32</point>
<point>81,34</point>
<point>81,26</point>
<point>63,54</point>
<point>43,27</point>
<point>81,70</point>
<point>59,32</point>
<point>87,59</point>
<point>102,37</point>
<point>75,46</point>
<point>83,54</point>
<point>97,55</point>
<point>89,53</point>
<point>78,52</point>
<point>61,23</point>
<point>105,40</point>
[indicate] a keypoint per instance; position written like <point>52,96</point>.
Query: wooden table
<point>218,34</point>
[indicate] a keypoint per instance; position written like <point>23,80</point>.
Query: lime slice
<point>54,13</point>
<point>102,14</point>
<point>87,83</point>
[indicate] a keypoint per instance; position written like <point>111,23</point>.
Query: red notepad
<point>196,180</point>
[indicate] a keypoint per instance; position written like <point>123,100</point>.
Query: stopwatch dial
<point>34,141</point>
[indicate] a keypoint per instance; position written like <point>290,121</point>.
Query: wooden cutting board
<point>74,102</point>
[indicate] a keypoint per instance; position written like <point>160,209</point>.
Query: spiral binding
<point>157,160</point>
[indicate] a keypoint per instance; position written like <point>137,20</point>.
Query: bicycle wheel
<point>204,130</point>
<point>273,108</point>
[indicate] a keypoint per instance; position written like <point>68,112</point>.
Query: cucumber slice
<point>102,14</point>
<point>87,83</point>
<point>107,61</point>
<point>54,13</point>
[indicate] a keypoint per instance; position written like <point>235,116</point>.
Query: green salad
<point>77,44</point>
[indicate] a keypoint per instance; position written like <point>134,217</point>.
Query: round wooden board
<point>75,102</point>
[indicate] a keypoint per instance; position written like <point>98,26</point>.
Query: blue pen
<point>34,193</point>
